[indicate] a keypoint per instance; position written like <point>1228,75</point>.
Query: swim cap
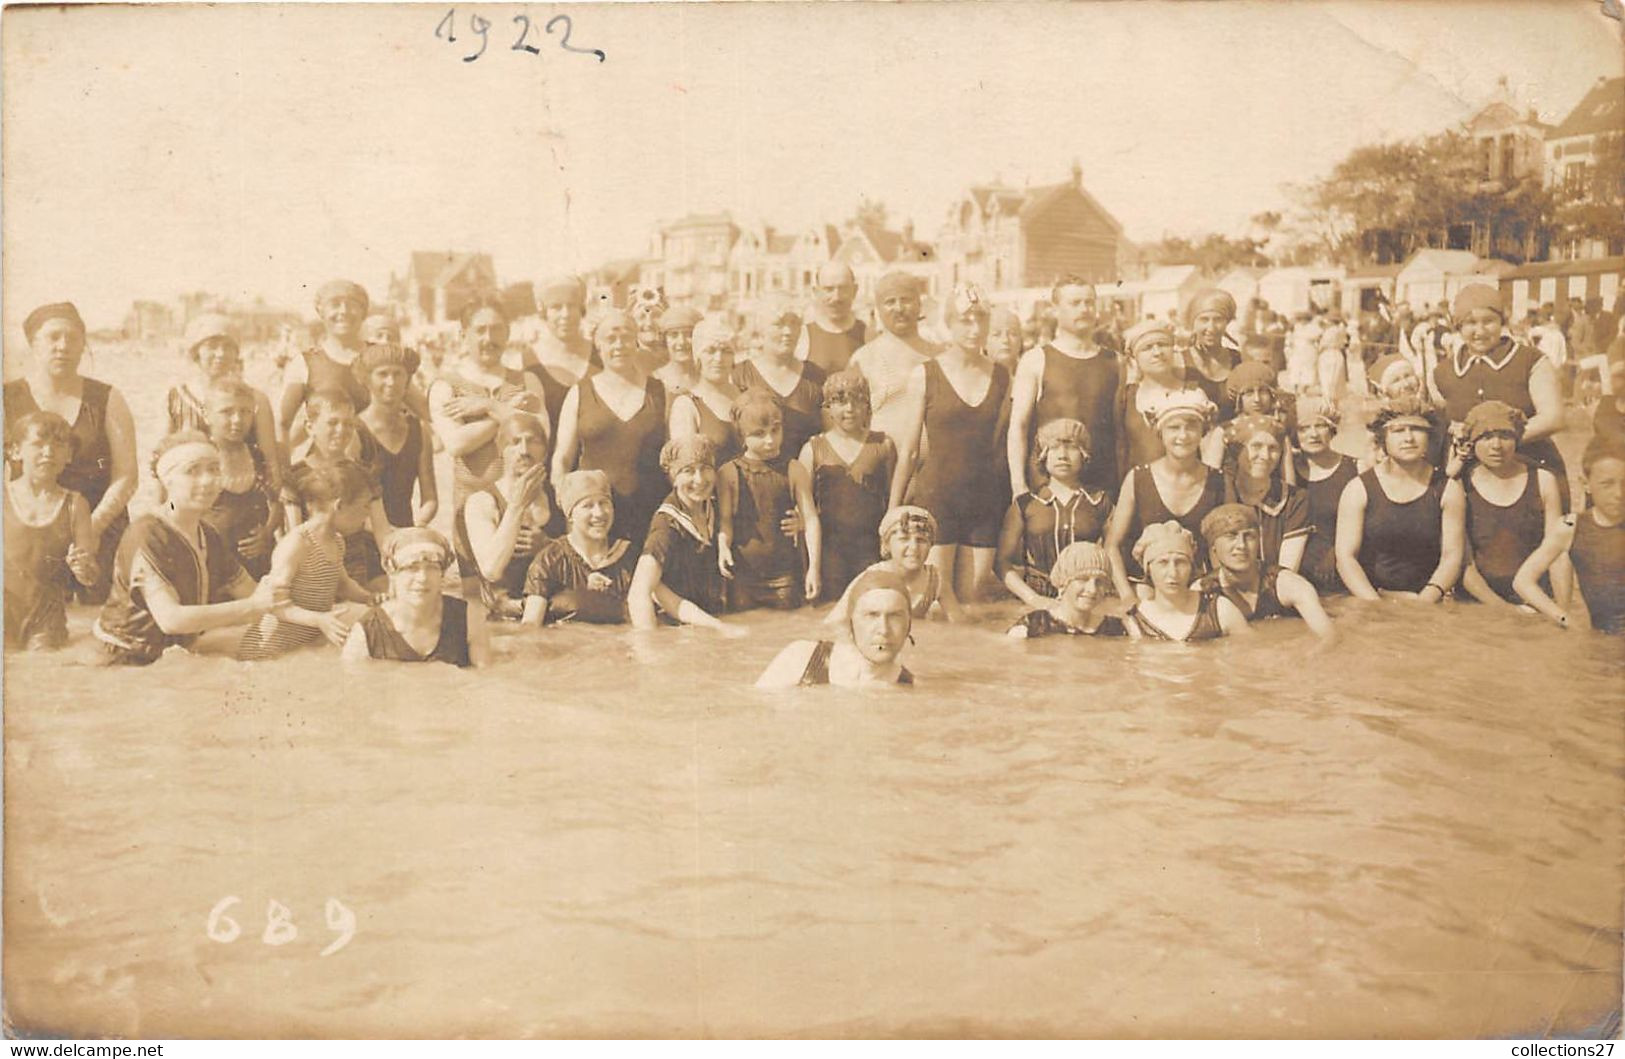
<point>1477,296</point>
<point>679,453</point>
<point>754,410</point>
<point>1228,518</point>
<point>872,580</point>
<point>679,318</point>
<point>1212,300</point>
<point>1491,416</point>
<point>578,486</point>
<point>1057,430</point>
<point>1409,409</point>
<point>896,283</point>
<point>1249,375</point>
<point>1143,330</point>
<point>205,327</point>
<point>966,299</point>
<point>342,288</point>
<point>1079,559</point>
<point>1382,366</point>
<point>908,519</point>
<point>712,331</point>
<point>1314,407</point>
<point>54,311</point>
<point>848,384</point>
<point>1162,538</point>
<point>556,290</point>
<point>1178,403</point>
<point>380,355</point>
<point>1244,428</point>
<point>407,546</point>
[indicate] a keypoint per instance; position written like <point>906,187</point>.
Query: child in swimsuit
<point>756,492</point>
<point>583,576</point>
<point>1039,525</point>
<point>1082,581</point>
<point>217,359</point>
<point>417,623</point>
<point>851,468</point>
<point>1593,540</point>
<point>1176,610</point>
<point>907,535</point>
<point>48,539</point>
<point>246,515</point>
<point>503,526</point>
<point>335,438</point>
<point>395,436</point>
<point>308,564</point>
<point>678,570</point>
<point>171,568</point>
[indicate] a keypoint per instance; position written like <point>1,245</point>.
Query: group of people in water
<point>655,465</point>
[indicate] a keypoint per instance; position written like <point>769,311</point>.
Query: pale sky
<point>246,149</point>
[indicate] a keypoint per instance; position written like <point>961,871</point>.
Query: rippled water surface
<point>1416,832</point>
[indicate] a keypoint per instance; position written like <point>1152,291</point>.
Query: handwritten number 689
<point>279,925</point>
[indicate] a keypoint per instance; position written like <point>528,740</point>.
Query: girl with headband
<point>417,622</point>
<point>170,565</point>
<point>1175,609</point>
<point>1510,507</point>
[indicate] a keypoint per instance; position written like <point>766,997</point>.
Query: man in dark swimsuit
<point>877,627</point>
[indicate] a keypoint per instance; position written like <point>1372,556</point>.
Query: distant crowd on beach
<point>1158,480</point>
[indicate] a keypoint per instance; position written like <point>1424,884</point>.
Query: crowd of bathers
<point>652,465</point>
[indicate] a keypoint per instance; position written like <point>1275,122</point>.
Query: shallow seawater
<point>1414,832</point>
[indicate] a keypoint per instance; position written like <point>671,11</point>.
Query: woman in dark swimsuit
<point>1323,472</point>
<point>615,421</point>
<point>707,407</point>
<point>876,631</point>
<point>1175,609</point>
<point>1398,533</point>
<point>1176,479</point>
<point>103,467</point>
<point>417,623</point>
<point>796,386</point>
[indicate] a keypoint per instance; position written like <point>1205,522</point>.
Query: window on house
<point>1574,177</point>
<point>1509,157</point>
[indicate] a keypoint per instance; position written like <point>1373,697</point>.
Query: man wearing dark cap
<point>889,360</point>
<point>832,333</point>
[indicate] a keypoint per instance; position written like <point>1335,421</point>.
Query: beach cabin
<point>1168,290</point>
<point>1302,288</point>
<point>1528,287</point>
<point>1434,276</point>
<point>1367,287</point>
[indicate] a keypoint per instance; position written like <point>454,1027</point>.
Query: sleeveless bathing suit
<point>385,642</point>
<point>315,587</point>
<point>1400,547</point>
<point>1502,537</point>
<point>851,500</point>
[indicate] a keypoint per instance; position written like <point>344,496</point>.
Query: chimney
<point>1077,173</point>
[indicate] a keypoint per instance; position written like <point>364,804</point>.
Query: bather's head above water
<point>877,616</point>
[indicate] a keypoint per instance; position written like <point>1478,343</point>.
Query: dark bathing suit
<point>817,671</point>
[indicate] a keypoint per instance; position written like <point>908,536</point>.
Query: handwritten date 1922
<point>481,28</point>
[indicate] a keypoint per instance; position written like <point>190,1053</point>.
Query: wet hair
<point>1601,447</point>
<point>326,402</point>
<point>753,410</point>
<point>42,424</point>
<point>484,301</point>
<point>848,384</point>
<point>339,482</point>
<point>1069,279</point>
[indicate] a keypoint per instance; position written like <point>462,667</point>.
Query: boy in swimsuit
<point>1594,541</point>
<point>678,570</point>
<point>1233,537</point>
<point>583,576</point>
<point>48,538</point>
<point>396,436</point>
<point>1082,580</point>
<point>756,491</point>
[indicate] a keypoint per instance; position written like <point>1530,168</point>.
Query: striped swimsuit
<point>315,587</point>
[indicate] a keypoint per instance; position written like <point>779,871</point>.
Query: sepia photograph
<point>536,521</point>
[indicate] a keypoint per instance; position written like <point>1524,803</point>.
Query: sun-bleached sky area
<point>262,149</point>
